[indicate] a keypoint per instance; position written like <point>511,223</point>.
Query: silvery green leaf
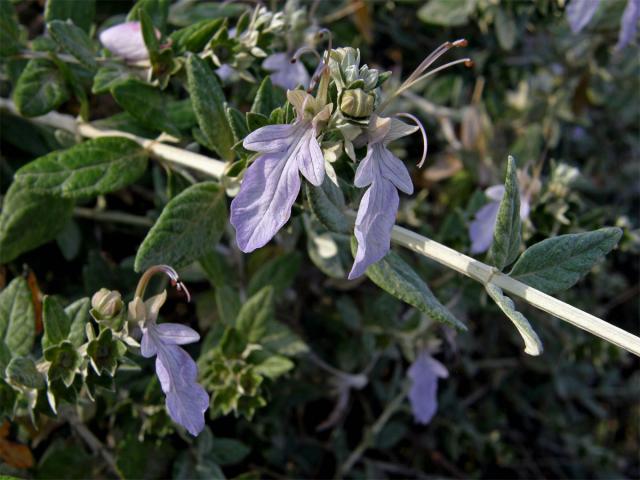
<point>329,251</point>
<point>396,277</point>
<point>19,232</point>
<point>74,41</point>
<point>532,343</point>
<point>80,13</point>
<point>267,98</point>
<point>78,313</point>
<point>109,75</point>
<point>208,102</point>
<point>17,319</point>
<point>278,273</point>
<point>22,371</point>
<point>87,169</point>
<point>191,224</point>
<point>255,315</point>
<point>328,205</point>
<point>156,10</point>
<point>557,263</point>
<point>194,38</point>
<point>41,88</point>
<point>57,324</point>
<point>507,233</point>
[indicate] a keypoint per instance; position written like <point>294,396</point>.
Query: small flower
<point>628,24</point>
<point>272,183</point>
<point>481,229</point>
<point>384,174</point>
<point>284,73</point>
<point>186,400</point>
<point>125,40</point>
<point>423,395</point>
<point>580,12</point>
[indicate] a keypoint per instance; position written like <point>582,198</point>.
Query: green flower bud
<point>357,103</point>
<point>106,304</point>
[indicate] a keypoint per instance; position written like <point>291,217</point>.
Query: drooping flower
<point>580,12</point>
<point>481,228</point>
<point>423,395</point>
<point>384,174</point>
<point>186,400</point>
<point>272,183</point>
<point>284,73</point>
<point>125,40</point>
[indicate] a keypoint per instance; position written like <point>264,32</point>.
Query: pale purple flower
<point>272,183</point>
<point>284,73</point>
<point>580,12</point>
<point>384,174</point>
<point>628,24</point>
<point>186,400</point>
<point>423,395</point>
<point>481,229</point>
<point>125,40</point>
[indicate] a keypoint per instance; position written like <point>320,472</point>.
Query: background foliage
<point>565,105</point>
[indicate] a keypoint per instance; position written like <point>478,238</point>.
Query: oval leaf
<point>506,235</point>
<point>40,88</point>
<point>17,319</point>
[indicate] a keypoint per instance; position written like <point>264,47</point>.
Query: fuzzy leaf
<point>255,315</point>
<point>507,233</point>
<point>396,277</point>
<point>190,225</point>
<point>557,263</point>
<point>80,13</point>
<point>29,220</point>
<point>78,313</point>
<point>74,41</point>
<point>194,37</point>
<point>327,204</point>
<point>17,319</point>
<point>40,88</point>
<point>9,29</point>
<point>532,343</point>
<point>110,75</point>
<point>85,170</point>
<point>22,371</point>
<point>57,324</point>
<point>267,98</point>
<point>278,273</point>
<point>208,102</point>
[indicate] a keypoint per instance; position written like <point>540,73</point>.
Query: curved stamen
<point>169,272</point>
<point>425,143</point>
<point>302,50</point>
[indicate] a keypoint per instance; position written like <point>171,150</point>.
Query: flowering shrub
<point>203,268</point>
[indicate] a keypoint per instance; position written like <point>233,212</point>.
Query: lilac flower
<point>481,229</point>
<point>125,40</point>
<point>580,12</point>
<point>423,395</point>
<point>384,174</point>
<point>628,24</point>
<point>186,400</point>
<point>284,73</point>
<point>272,183</point>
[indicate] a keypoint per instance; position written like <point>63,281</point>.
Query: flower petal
<point>125,40</point>
<point>424,373</point>
<point>398,129</point>
<point>580,12</point>
<point>495,192</point>
<point>270,138</point>
<point>284,73</point>
<point>628,23</point>
<point>310,159</point>
<point>176,334</point>
<point>376,216</point>
<point>481,229</point>
<point>263,205</point>
<point>147,345</point>
<point>392,168</point>
<point>368,170</point>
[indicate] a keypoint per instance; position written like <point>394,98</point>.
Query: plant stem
<point>422,245</point>
<point>111,216</point>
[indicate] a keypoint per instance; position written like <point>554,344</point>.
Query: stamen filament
<point>467,62</point>
<point>169,272</point>
<point>425,143</point>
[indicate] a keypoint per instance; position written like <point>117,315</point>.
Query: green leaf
<point>157,10</point>
<point>255,314</point>
<point>280,339</point>
<point>110,75</point>
<point>8,397</point>
<point>104,353</point>
<point>278,273</point>
<point>78,312</point>
<point>256,120</point>
<point>40,88</point>
<point>80,13</point>
<point>558,263</point>
<point>532,343</point>
<point>194,37</point>
<point>187,13</point>
<point>17,320</point>
<point>227,451</point>
<point>149,35</point>
<point>88,169</point>
<point>208,102</point>
<point>191,224</point>
<point>396,277</point>
<point>10,40</point>
<point>146,104</point>
<point>329,251</point>
<point>74,41</point>
<point>29,220</point>
<point>274,366</point>
<point>22,371</point>
<point>228,303</point>
<point>328,205</point>
<point>57,324</point>
<point>237,123</point>
<point>507,232</point>
<point>267,98</point>
<point>65,360</point>
<point>505,29</point>
<point>447,13</point>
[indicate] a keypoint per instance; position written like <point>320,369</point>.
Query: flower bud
<point>357,103</point>
<point>125,40</point>
<point>106,304</point>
